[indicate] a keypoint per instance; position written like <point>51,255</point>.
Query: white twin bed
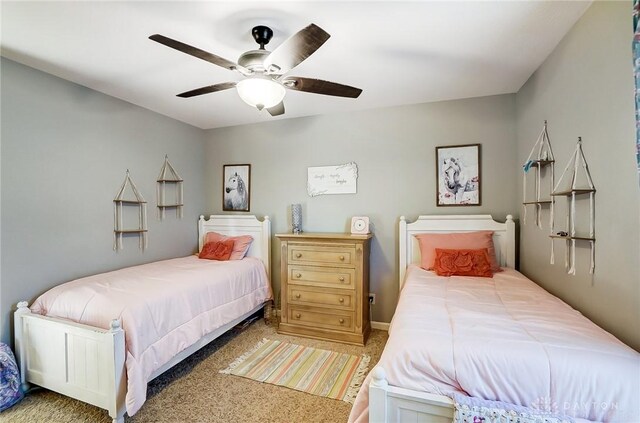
<point>100,339</point>
<point>501,339</point>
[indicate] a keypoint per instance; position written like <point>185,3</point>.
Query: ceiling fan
<point>264,72</point>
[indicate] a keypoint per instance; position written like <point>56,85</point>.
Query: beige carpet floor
<point>194,391</point>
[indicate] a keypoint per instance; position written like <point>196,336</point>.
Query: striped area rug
<point>319,372</point>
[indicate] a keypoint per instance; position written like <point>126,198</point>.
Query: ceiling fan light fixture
<point>265,85</point>
<point>260,92</point>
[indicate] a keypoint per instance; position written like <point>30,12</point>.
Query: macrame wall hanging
<point>124,200</point>
<point>540,157</point>
<point>169,180</point>
<point>577,169</point>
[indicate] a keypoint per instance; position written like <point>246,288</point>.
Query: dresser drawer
<point>317,318</point>
<point>321,276</point>
<point>323,297</point>
<point>317,255</point>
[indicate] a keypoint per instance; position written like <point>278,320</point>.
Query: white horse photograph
<point>235,187</point>
<point>458,175</point>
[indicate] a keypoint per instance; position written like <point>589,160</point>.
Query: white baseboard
<point>380,325</point>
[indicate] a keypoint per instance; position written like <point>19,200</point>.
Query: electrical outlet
<point>372,298</point>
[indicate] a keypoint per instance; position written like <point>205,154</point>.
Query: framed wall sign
<point>236,186</point>
<point>458,175</point>
<point>340,179</point>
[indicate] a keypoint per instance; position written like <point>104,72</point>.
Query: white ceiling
<point>397,52</point>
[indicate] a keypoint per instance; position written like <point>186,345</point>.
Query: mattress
<point>505,339</point>
<point>164,307</point>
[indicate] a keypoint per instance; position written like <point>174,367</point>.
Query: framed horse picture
<point>236,186</point>
<point>458,175</point>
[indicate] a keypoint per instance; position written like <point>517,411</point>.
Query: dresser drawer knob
<point>341,278</point>
<point>298,255</point>
<point>341,258</point>
<point>297,295</point>
<point>341,321</point>
<point>298,275</point>
<point>341,300</point>
<point>297,315</point>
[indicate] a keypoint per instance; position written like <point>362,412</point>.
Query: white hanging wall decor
<point>122,200</point>
<point>339,179</point>
<point>575,166</point>
<point>540,157</point>
<point>169,176</point>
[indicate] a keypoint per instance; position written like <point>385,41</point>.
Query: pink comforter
<point>164,307</point>
<point>506,339</point>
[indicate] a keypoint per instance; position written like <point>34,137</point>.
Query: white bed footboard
<point>80,361</point>
<point>85,362</point>
<point>390,404</point>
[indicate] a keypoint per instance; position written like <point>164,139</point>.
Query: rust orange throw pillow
<point>463,263</point>
<point>219,250</point>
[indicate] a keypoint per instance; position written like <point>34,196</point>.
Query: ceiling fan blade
<point>295,49</point>
<point>207,90</point>
<point>276,110</point>
<point>318,86</point>
<point>196,52</point>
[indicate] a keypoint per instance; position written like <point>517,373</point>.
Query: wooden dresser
<point>325,286</point>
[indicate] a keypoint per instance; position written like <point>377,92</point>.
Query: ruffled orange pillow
<point>240,247</point>
<point>219,250</point>
<point>463,263</point>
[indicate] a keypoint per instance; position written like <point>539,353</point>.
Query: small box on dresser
<point>325,286</point>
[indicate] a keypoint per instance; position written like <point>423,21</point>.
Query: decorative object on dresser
<point>236,186</point>
<point>360,225</point>
<point>340,179</point>
<point>458,175</point>
<point>540,157</point>
<point>296,218</point>
<point>325,286</point>
<point>169,176</point>
<point>576,163</point>
<point>121,202</point>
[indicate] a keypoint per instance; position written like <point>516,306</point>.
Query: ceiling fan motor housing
<point>253,60</point>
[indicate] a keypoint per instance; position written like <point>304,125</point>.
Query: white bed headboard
<point>504,236</point>
<point>234,225</point>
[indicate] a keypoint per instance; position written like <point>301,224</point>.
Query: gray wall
<point>585,88</point>
<point>65,150</point>
<point>394,149</point>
